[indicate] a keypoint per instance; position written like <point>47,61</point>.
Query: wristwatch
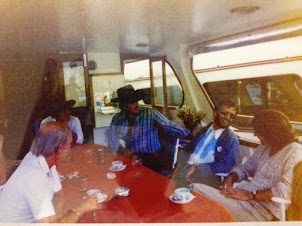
<point>254,195</point>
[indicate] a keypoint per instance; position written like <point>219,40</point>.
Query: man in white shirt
<point>62,113</point>
<point>30,193</point>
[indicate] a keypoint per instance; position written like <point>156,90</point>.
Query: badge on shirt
<point>219,149</point>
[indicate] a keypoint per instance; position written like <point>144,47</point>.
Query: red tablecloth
<point>149,193</point>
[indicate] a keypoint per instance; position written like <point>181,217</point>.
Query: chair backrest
<point>170,145</point>
<point>282,202</point>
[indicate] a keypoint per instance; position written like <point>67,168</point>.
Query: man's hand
<point>237,194</point>
<point>229,181</point>
<point>126,152</point>
<point>88,204</point>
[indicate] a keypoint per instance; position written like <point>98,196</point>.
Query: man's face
<point>224,116</point>
<point>131,108</point>
<point>67,145</point>
<point>64,115</point>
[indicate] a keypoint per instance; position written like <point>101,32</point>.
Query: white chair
<point>282,202</point>
<point>175,154</point>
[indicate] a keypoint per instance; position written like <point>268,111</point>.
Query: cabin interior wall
<point>22,78</point>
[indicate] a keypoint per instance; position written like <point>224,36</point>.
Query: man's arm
<point>113,134</point>
<point>73,215</point>
<point>172,129</point>
<point>76,127</point>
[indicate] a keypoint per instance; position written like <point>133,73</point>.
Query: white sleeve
<point>39,196</point>
<point>76,127</point>
<point>48,119</point>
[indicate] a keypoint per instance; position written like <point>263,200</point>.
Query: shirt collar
<point>217,132</point>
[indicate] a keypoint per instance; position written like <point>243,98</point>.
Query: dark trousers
<point>199,176</point>
<point>159,161</point>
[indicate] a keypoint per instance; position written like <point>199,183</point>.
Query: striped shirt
<point>142,137</point>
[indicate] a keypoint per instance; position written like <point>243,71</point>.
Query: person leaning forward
<point>33,193</point>
<point>213,150</point>
<point>134,131</point>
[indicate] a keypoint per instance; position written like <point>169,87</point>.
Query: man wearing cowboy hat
<point>134,131</point>
<point>61,112</point>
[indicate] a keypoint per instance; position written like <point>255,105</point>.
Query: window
<point>74,82</point>
<point>280,92</point>
<point>162,88</point>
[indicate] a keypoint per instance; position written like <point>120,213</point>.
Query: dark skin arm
<point>229,192</point>
<point>263,195</point>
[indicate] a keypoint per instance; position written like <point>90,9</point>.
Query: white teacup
<point>182,194</point>
<point>101,197</point>
<point>117,164</point>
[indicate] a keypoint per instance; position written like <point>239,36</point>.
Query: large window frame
<point>152,102</point>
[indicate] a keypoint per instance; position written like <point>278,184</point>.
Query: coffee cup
<point>182,193</point>
<point>117,164</point>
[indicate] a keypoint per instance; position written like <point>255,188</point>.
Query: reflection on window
<point>74,82</point>
<point>157,70</point>
<point>253,95</point>
<point>138,75</point>
<point>254,91</point>
<point>174,90</point>
<point>137,70</point>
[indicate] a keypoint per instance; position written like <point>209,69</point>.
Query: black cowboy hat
<point>62,105</point>
<point>127,94</point>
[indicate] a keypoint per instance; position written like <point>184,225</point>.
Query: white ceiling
<point>118,25</point>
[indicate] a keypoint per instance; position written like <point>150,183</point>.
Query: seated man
<point>31,192</point>
<point>134,131</point>
<point>62,113</point>
<point>214,150</point>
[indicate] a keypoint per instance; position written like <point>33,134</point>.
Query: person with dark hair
<point>33,192</point>
<point>134,131</point>
<point>213,149</point>
<point>61,112</point>
<point>270,167</point>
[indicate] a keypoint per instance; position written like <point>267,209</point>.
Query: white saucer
<point>172,198</point>
<point>102,198</point>
<point>118,169</point>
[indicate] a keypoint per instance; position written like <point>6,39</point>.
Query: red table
<point>148,201</point>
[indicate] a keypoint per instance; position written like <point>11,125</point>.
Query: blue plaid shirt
<point>144,134</point>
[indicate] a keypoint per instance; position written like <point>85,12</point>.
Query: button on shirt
<point>27,195</point>
<point>205,150</point>
<point>143,137</point>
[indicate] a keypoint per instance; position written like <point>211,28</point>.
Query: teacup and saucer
<point>117,165</point>
<point>182,195</point>
<point>101,196</point>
